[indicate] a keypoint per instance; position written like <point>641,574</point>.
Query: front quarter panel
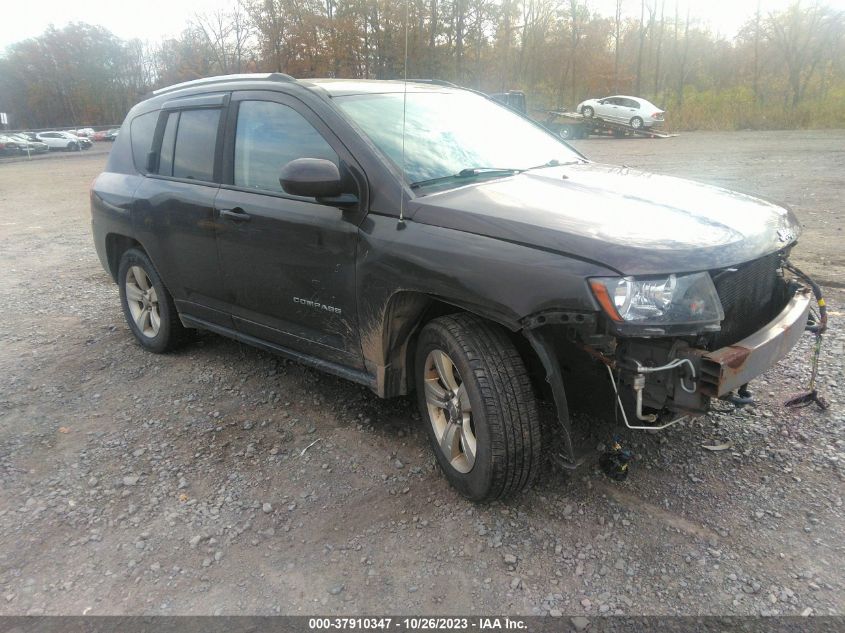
<point>496,279</point>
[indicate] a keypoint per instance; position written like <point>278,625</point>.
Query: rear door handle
<point>237,214</point>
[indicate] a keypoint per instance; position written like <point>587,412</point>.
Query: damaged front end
<point>669,345</point>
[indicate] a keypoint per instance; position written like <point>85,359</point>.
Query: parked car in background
<point>105,135</point>
<point>84,132</point>
<point>9,146</point>
<point>28,145</point>
<point>63,140</point>
<point>633,111</point>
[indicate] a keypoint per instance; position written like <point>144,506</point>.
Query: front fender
<point>399,265</point>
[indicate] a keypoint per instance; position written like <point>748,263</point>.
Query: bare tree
<point>617,32</point>
<point>659,50</point>
<point>803,36</point>
<point>643,33</point>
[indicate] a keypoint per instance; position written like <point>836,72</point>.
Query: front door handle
<point>237,214</point>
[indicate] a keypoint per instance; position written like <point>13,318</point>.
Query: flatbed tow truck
<point>572,125</point>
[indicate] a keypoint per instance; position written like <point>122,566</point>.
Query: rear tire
<point>478,407</point>
<point>637,123</point>
<point>147,305</point>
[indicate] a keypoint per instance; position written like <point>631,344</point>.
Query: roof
<point>343,87</point>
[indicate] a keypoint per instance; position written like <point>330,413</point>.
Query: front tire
<point>478,407</point>
<point>147,305</point>
<point>588,112</point>
<point>72,147</point>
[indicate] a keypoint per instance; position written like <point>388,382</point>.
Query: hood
<point>632,221</point>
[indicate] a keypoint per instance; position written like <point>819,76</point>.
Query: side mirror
<point>311,178</point>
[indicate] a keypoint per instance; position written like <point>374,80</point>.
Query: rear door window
<point>196,144</point>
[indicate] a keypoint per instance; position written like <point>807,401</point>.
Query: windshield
<point>447,133</point>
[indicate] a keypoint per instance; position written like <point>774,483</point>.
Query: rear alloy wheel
<point>636,123</point>
<point>478,407</point>
<point>588,112</point>
<point>142,299</point>
<point>147,305</point>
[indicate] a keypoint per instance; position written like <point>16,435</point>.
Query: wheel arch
<point>390,346</point>
<point>116,245</point>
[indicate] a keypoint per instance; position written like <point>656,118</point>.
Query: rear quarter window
<point>142,129</point>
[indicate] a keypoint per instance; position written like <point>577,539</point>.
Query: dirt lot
<point>192,483</point>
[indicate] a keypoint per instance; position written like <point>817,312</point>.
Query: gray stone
<point>580,622</point>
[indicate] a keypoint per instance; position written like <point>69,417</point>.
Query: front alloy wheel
<point>450,411</point>
<point>477,406</point>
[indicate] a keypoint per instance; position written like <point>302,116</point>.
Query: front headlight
<point>672,300</point>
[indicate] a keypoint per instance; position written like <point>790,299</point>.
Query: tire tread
<point>511,410</point>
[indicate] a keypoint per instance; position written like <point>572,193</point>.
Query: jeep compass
<point>420,237</point>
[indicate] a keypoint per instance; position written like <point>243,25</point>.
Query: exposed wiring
<point>621,408</point>
<point>817,291</point>
<point>818,328</point>
<point>669,366</point>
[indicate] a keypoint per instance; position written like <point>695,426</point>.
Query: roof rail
<point>436,82</point>
<point>225,78</point>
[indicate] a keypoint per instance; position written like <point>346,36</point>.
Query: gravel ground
<point>221,479</point>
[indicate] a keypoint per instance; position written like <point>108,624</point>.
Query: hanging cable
<point>818,328</point>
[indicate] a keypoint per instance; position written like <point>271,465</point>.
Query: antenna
<point>401,224</point>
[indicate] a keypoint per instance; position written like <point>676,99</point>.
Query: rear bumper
<point>728,368</point>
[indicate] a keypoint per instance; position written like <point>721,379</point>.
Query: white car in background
<point>633,111</point>
<point>62,140</point>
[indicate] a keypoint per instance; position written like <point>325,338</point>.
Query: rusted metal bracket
<point>727,368</point>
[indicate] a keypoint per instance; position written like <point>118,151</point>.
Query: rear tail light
<point>657,115</point>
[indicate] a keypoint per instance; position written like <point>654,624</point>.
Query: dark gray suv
<point>422,237</point>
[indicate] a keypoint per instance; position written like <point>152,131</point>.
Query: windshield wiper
<point>479,171</point>
<point>470,172</point>
<point>556,163</point>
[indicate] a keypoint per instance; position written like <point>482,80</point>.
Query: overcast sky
<point>155,19</point>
